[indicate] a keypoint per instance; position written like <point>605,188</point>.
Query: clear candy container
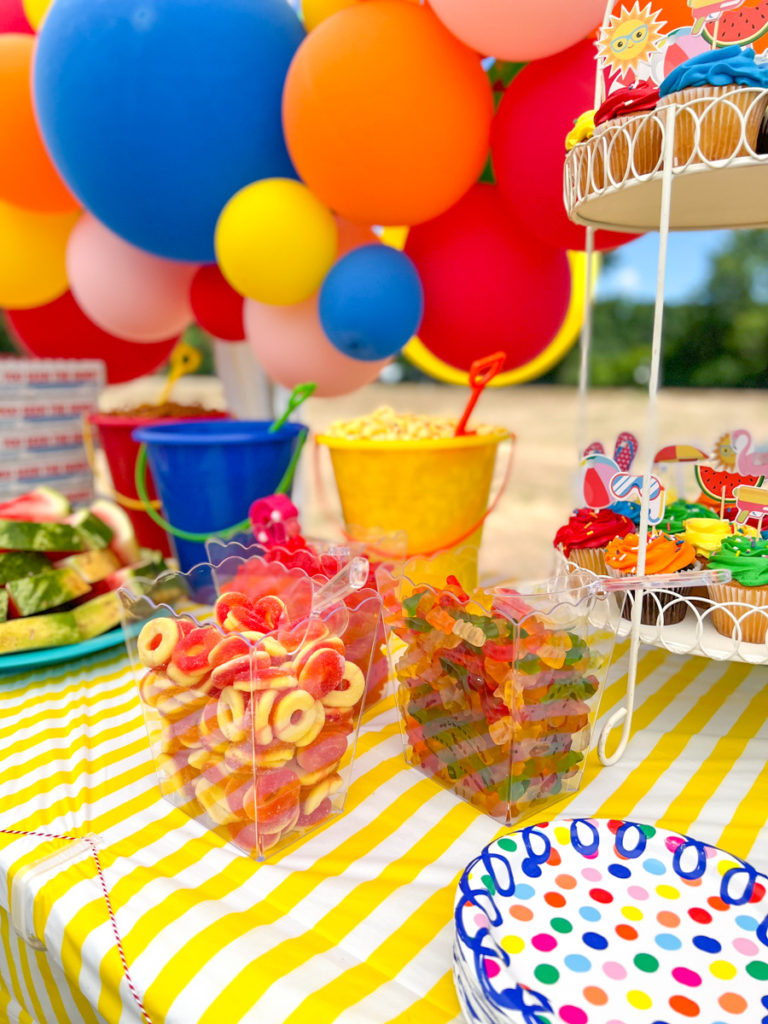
<point>252,706</point>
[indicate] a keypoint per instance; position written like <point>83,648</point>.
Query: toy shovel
<point>481,373</point>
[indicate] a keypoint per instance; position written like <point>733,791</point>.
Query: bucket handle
<point>140,478</point>
<point>510,440</point>
<point>134,504</point>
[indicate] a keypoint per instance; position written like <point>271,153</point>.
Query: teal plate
<point>26,660</point>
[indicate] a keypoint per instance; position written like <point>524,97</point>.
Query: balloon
<point>292,347</point>
<point>315,11</point>
<point>125,291</point>
<point>27,176</point>
<point>488,285</point>
<point>537,111</point>
<point>371,303</point>
<point>157,113</point>
<point>275,241</point>
<point>218,308</point>
<point>60,330</point>
<point>386,115</point>
<point>13,18</point>
<point>32,263</point>
<point>35,11</point>
<point>521,30</point>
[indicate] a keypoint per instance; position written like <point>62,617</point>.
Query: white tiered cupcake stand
<point>603,189</point>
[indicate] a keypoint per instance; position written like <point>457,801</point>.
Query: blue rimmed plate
<point>593,921</point>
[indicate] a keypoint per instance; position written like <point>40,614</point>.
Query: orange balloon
<point>27,175</point>
<point>387,115</point>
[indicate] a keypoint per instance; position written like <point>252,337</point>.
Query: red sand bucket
<point>121,452</point>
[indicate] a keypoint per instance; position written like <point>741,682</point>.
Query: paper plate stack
<point>590,921</point>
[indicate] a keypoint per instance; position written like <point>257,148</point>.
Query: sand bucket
<point>208,472</point>
<point>437,491</point>
<point>121,451</point>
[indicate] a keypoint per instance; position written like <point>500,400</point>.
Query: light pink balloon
<point>124,290</point>
<point>520,29</point>
<point>290,344</point>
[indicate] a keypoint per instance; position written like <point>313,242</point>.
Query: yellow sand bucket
<point>437,491</point>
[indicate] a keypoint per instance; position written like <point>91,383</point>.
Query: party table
<point>353,924</point>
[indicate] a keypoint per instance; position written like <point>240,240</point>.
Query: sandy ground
<point>546,422</point>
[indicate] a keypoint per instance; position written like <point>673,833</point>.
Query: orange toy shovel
<point>481,373</point>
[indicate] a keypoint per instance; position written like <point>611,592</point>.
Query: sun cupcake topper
<point>627,40</point>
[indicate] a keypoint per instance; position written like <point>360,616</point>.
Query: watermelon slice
<point>3,605</point>
<point>15,564</point>
<point>41,505</point>
<point>744,26</point>
<point>16,535</point>
<point>97,616</point>
<point>34,594</point>
<point>718,486</point>
<point>91,565</point>
<point>123,541</point>
<point>38,631</point>
<point>95,532</point>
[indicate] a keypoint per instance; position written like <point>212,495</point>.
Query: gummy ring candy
<point>293,715</point>
<point>153,686</point>
<point>212,798</point>
<point>322,672</point>
<point>329,747</point>
<point>234,720</point>
<point>272,646</point>
<point>211,736</point>
<point>341,718</point>
<point>174,771</point>
<point>275,678</point>
<point>314,797</point>
<point>308,779</point>
<point>226,649</point>
<point>190,657</point>
<point>270,610</point>
<point>316,729</point>
<point>307,649</point>
<point>347,696</point>
<point>320,813</point>
<point>178,735</point>
<point>274,755</point>
<point>234,611</point>
<point>157,641</point>
<point>201,759</point>
<point>238,757</point>
<point>261,710</point>
<point>276,797</point>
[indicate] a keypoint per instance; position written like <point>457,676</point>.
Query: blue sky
<point>634,275</point>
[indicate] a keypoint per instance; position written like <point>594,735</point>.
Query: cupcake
<point>631,134</point>
<point>630,509</point>
<point>725,100</point>
<point>664,554</point>
<point>747,559</point>
<point>679,512</point>
<point>585,536</point>
<point>577,138</point>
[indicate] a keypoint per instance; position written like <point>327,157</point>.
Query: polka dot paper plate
<point>610,922</point>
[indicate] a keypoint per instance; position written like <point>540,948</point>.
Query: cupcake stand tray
<point>705,178</point>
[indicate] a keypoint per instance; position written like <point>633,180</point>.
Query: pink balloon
<point>124,290</point>
<point>519,29</point>
<point>291,345</point>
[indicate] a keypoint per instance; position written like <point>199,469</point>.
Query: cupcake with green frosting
<point>679,512</point>
<point>741,605</point>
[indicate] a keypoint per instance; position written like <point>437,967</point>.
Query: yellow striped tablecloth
<point>352,925</point>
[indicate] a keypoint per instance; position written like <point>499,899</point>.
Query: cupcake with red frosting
<point>630,134</point>
<point>586,535</point>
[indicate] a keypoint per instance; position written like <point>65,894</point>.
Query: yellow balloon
<point>35,11</point>
<point>315,11</point>
<point>32,264</point>
<point>275,241</point>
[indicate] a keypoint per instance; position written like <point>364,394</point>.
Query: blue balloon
<point>372,302</point>
<point>157,111</point>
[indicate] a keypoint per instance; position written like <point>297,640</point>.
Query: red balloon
<point>218,308</point>
<point>13,18</point>
<point>488,285</point>
<point>528,144</point>
<point>60,330</point>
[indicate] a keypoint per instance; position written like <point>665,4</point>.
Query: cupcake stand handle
<point>623,715</point>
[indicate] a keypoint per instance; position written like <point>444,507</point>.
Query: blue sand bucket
<point>208,472</point>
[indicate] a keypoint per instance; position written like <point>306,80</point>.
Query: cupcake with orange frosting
<point>585,536</point>
<point>663,554</point>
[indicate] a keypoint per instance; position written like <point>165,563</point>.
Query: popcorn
<point>384,424</point>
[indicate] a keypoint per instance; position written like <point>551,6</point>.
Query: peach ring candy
<point>276,795</point>
<point>320,813</point>
<point>274,755</point>
<point>270,610</point>
<point>329,747</point>
<point>157,641</point>
<point>312,799</point>
<point>350,690</point>
<point>261,711</point>
<point>211,736</point>
<point>226,649</point>
<point>239,670</point>
<point>308,779</point>
<point>191,654</point>
<point>293,715</point>
<point>212,797</point>
<point>322,672</point>
<point>179,735</point>
<point>316,728</point>
<point>272,646</point>
<point>307,649</point>
<point>234,611</point>
<point>155,685</point>
<point>234,718</point>
<point>340,718</point>
<point>174,771</point>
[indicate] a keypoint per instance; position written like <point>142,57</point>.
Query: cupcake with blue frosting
<point>725,93</point>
